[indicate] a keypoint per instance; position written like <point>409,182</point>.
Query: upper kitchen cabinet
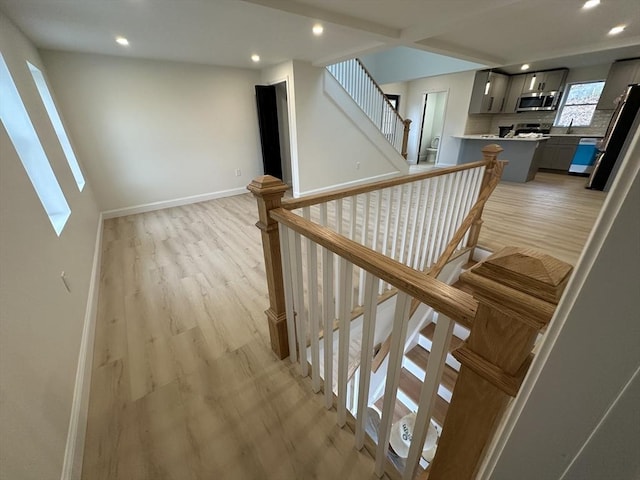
<point>516,84</point>
<point>549,81</point>
<point>489,92</point>
<point>621,74</point>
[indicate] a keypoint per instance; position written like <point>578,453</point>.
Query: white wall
<point>156,131</point>
<point>404,63</point>
<point>398,88</point>
<point>583,381</point>
<point>41,324</point>
<point>327,144</point>
<point>458,86</point>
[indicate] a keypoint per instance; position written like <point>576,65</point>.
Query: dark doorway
<point>269,133</point>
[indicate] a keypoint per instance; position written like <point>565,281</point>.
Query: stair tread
<point>411,386</point>
<point>464,286</point>
<point>420,357</point>
<point>429,330</point>
<point>399,411</point>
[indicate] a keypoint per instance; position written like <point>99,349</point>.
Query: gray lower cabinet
<point>557,153</point>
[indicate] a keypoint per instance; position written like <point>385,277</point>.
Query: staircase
<point>414,367</point>
<point>363,89</point>
<point>330,255</point>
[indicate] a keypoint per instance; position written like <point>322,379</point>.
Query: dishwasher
<point>584,158</point>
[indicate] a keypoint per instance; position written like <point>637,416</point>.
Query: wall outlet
<point>238,172</point>
<point>357,165</point>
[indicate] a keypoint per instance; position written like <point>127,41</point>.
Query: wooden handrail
<point>442,297</point>
<point>295,203</point>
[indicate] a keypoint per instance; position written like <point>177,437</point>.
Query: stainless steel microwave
<point>535,101</point>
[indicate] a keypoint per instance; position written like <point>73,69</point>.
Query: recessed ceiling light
<point>317,29</point>
<point>525,67</point>
<point>255,57</point>
<point>591,3</point>
<point>617,30</point>
<point>122,41</point>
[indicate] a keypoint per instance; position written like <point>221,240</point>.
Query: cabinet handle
<point>490,104</point>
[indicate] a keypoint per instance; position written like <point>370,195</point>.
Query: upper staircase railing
<point>358,82</point>
<point>318,264</point>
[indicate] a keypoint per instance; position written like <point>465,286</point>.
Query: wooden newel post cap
<point>521,282</point>
<point>267,185</point>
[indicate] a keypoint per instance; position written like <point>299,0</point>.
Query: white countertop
<point>501,139</point>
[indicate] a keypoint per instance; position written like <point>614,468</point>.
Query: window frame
<point>564,104</point>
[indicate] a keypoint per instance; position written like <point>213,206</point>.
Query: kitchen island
<point>519,151</point>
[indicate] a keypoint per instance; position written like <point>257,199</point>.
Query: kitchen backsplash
<point>481,124</point>
<point>478,124</point>
<point>598,123</point>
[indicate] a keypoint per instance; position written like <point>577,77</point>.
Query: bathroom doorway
<point>432,126</point>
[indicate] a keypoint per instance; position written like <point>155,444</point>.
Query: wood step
<point>412,386</point>
<point>430,329</point>
<point>399,411</point>
<point>465,287</point>
<point>420,357</point>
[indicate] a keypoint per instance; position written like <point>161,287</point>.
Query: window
<point>57,124</point>
<point>579,104</point>
<point>16,121</point>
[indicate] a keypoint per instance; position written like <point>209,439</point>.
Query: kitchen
<point>539,130</point>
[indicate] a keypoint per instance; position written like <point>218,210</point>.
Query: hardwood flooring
<point>184,384</point>
<point>554,214</point>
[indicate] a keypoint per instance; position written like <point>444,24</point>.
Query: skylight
<point>16,121</point>
<point>57,124</point>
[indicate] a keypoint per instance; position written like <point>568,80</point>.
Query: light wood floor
<point>554,213</point>
<point>184,384</point>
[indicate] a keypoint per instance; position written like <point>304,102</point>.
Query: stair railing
<point>515,295</point>
<point>360,85</point>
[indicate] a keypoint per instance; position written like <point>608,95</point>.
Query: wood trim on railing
<point>295,203</point>
<point>442,297</point>
<point>497,354</point>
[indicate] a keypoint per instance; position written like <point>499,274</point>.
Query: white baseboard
<point>177,202</point>
<point>74,450</point>
<point>362,181</point>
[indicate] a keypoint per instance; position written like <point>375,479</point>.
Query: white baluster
<point>421,231</point>
<point>398,206</point>
<point>433,222</point>
<point>366,355</point>
<point>346,287</point>
<point>435,367</point>
<point>406,210</point>
<point>328,310</point>
<point>387,222</point>
<point>312,283</point>
<point>288,289</point>
<point>399,332</point>
<point>301,317</point>
<point>453,204</point>
<point>439,220</point>
<point>363,237</point>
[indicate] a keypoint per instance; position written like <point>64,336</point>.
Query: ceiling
<point>497,33</point>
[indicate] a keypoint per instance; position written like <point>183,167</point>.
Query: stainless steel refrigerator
<point>611,146</point>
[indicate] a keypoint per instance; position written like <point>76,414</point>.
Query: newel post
<point>517,290</point>
<point>405,136</point>
<point>269,191</point>
<point>490,155</point>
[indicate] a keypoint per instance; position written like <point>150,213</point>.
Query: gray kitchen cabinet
<point>558,153</point>
<point>621,74</point>
<point>549,81</point>
<point>491,100</point>
<point>516,84</point>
